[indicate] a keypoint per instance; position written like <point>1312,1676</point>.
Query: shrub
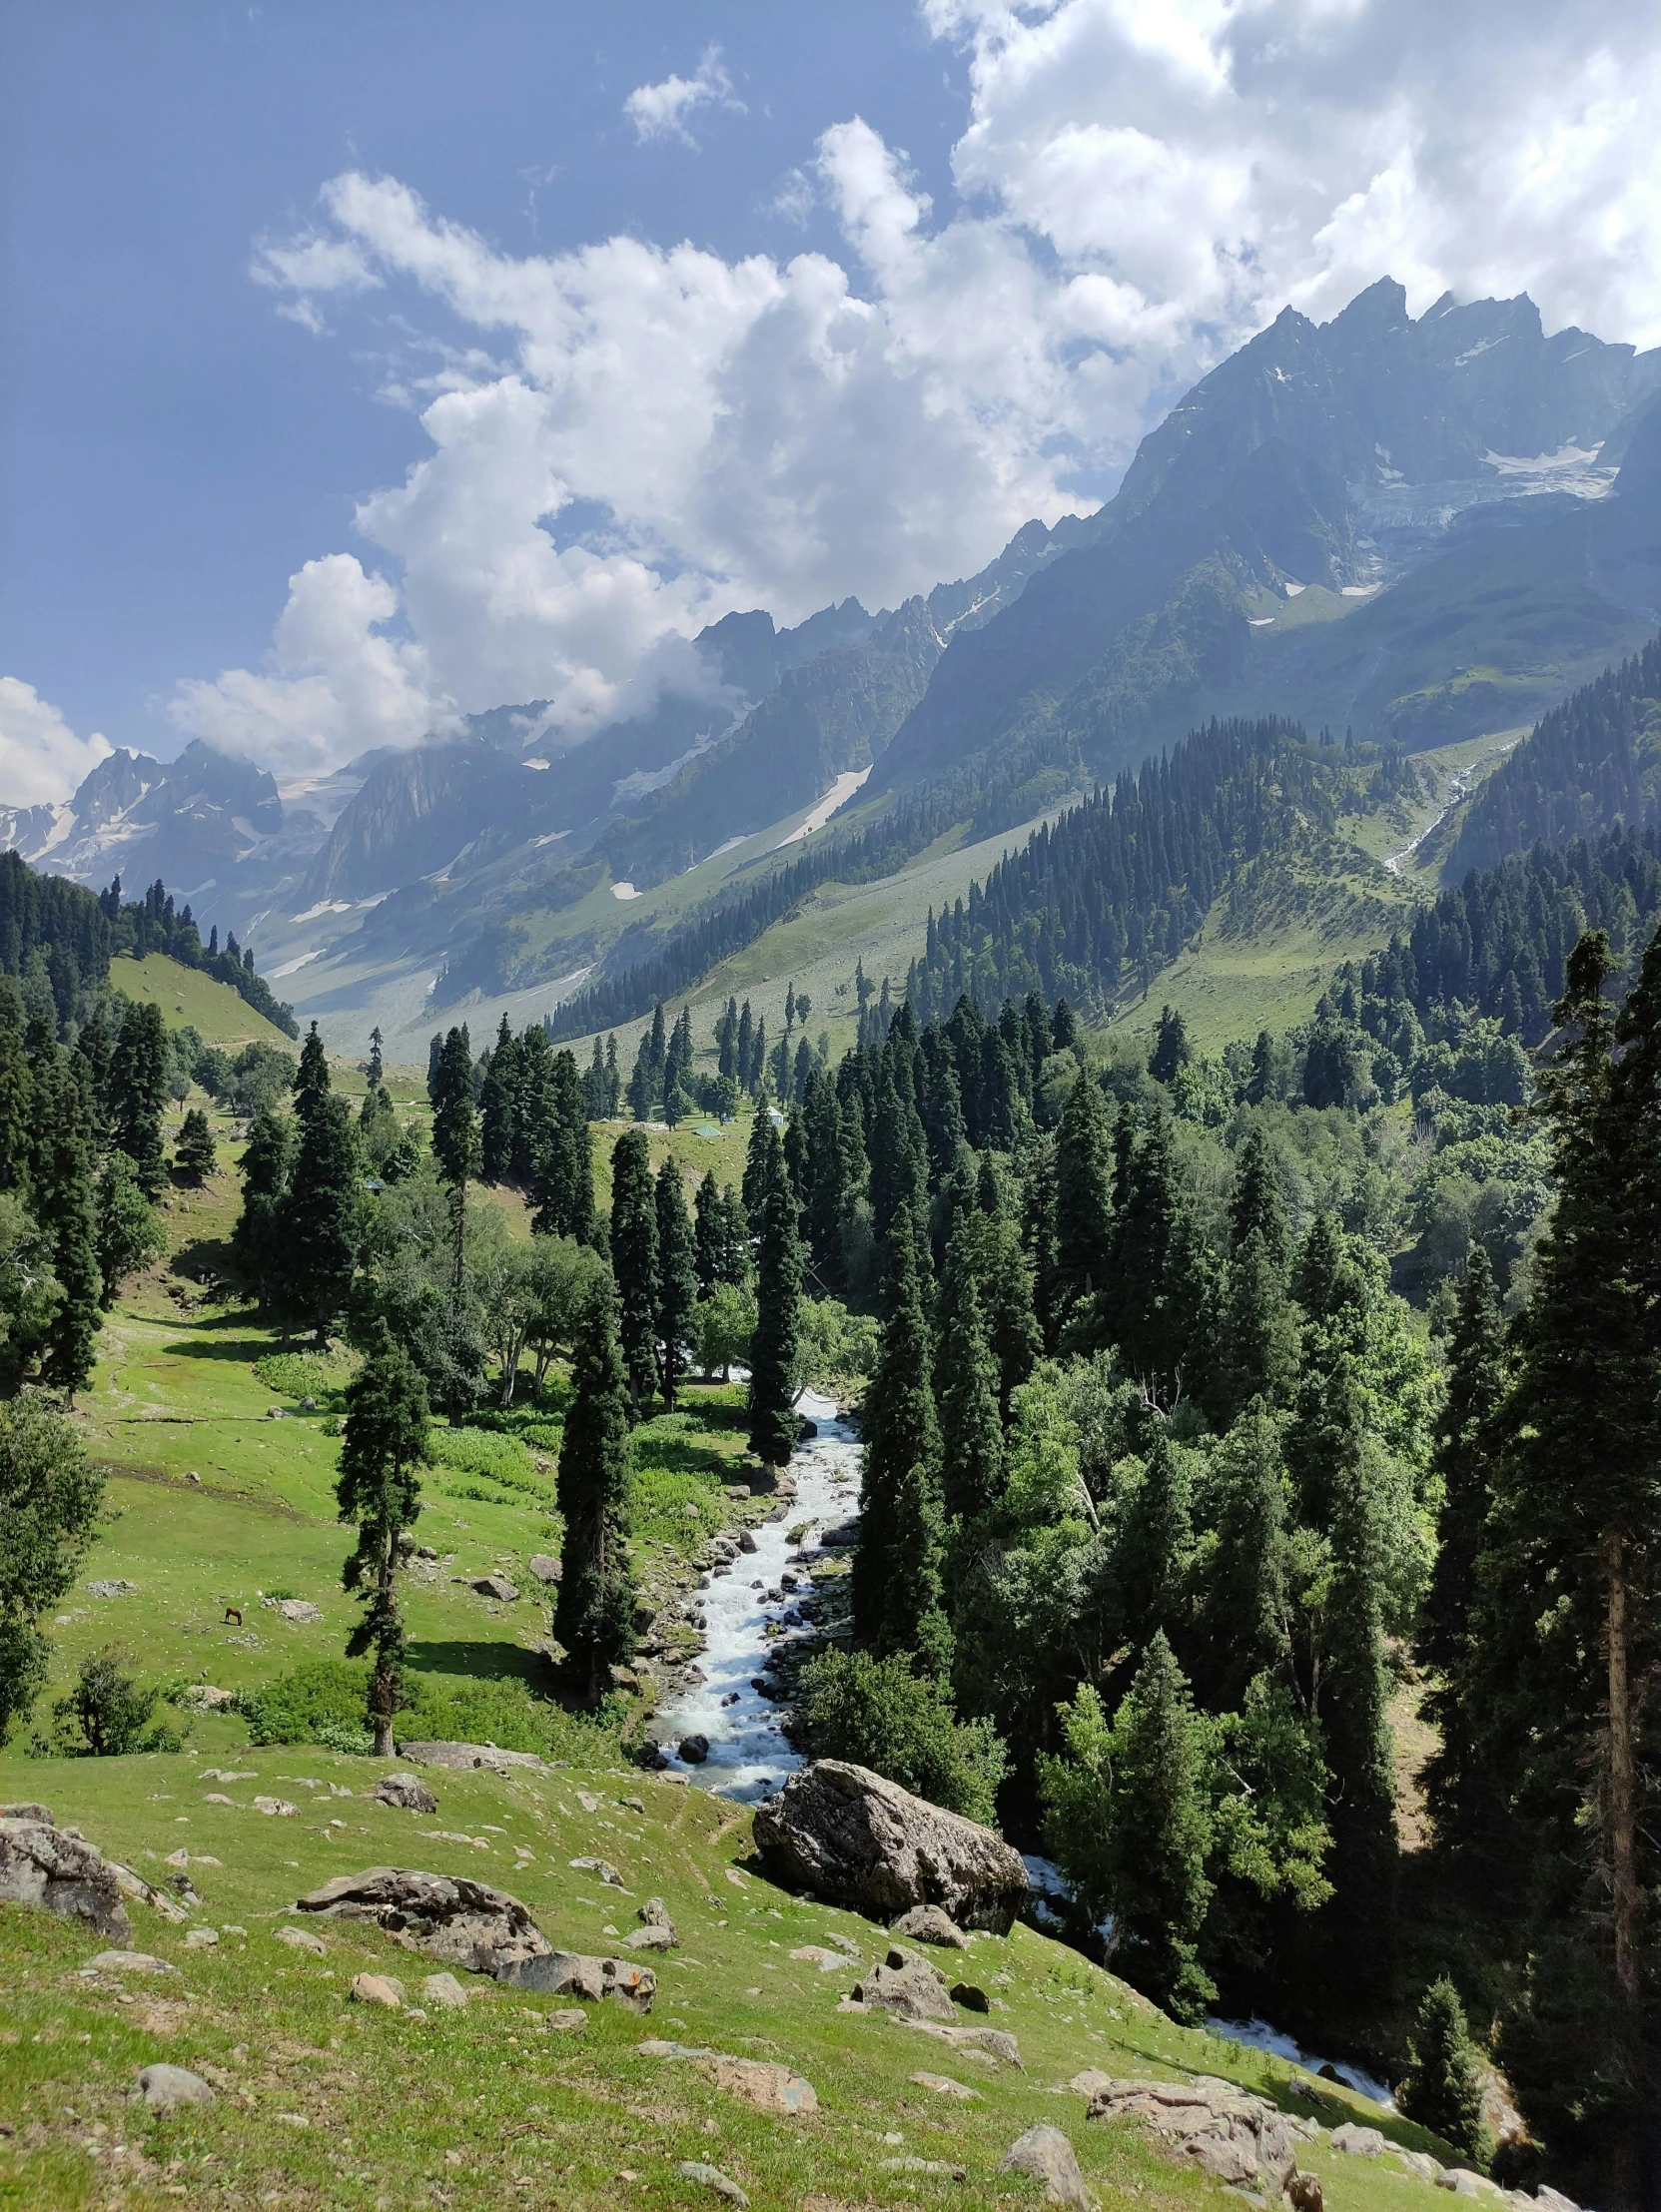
<point>876,1713</point>
<point>325,1700</point>
<point>108,1713</point>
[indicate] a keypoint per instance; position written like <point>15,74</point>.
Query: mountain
<point>1418,530</point>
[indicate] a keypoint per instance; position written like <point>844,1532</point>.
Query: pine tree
<point>1259,1203</point>
<point>455,1138</point>
<point>319,1220</point>
<point>594,1614</point>
<point>1156,1551</point>
<point>1455,1787</point>
<point>774,1424</point>
<point>827,1179</point>
<point>965,1387</point>
<point>677,1280</point>
<point>136,1093</point>
<point>64,1206</point>
<point>1255,1345</point>
<point>377,1070</point>
<point>193,1153</point>
<point>1172,1050</point>
<point>764,1162</point>
<point>384,1444</point>
<point>1247,1575</point>
<point>310,1083</point>
<point>1443,2091</point>
<point>708,1232</point>
<point>634,1256</point>
<point>901,1437</point>
<point>1040,1238</point>
<point>266,1168</point>
<point>498,1108</point>
<point>1084,1225</point>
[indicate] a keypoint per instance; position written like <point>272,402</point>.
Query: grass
<point>187,996</point>
<point>321,2103</point>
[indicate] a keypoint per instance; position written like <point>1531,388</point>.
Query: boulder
<point>135,1887</point>
<point>299,1609</point>
<point>761,2082</point>
<point>603,1869</point>
<point>711,2177</point>
<point>907,1985</point>
<point>840,1539</point>
<point>407,1792</point>
<point>301,1939</point>
<point>695,1750</point>
<point>657,1931</point>
<point>576,1974</point>
<point>944,2086</point>
<point>41,1863</point>
<point>1358,2142</point>
<point>165,2089</point>
<point>380,1990</point>
<point>1236,2137</point>
<point>128,1962</point>
<point>970,1996</point>
<point>1305,2193</point>
<point>458,1921</point>
<point>925,1924</point>
<point>848,1835</point>
<point>815,1954</point>
<point>204,1697</point>
<point>495,1586</point>
<point>469,1755</point>
<point>997,2043</point>
<point>445,1989</point>
<point>1047,2157</point>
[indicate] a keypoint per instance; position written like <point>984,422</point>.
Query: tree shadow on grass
<point>482,1662</point>
<point>247,1349</point>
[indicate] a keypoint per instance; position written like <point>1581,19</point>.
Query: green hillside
<point>187,998</point>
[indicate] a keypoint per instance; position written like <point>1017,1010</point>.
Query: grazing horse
<point>233,1613</point>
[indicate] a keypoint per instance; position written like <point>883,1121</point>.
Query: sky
<point>365,363</point>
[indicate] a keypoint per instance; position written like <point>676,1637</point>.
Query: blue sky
<point>371,362</point>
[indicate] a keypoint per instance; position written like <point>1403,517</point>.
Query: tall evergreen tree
<point>136,1093</point>
<point>634,1256</point>
<point>774,1424</point>
<point>311,1080</point>
<point>1259,1206</point>
<point>595,1614</point>
<point>1156,1551</point>
<point>499,1107</point>
<point>1172,1050</point>
<point>194,1154</point>
<point>677,1280</point>
<point>266,1168</point>
<point>1247,1575</point>
<point>901,1436</point>
<point>1083,1195</point>
<point>1255,1346</point>
<point>1457,1787</point>
<point>965,1387</point>
<point>384,1444</point>
<point>320,1217</point>
<point>455,1138</point>
<point>1444,2090</point>
<point>64,1206</point>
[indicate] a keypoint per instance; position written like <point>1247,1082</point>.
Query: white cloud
<point>41,758</point>
<point>333,687</point>
<point>646,435</point>
<point>661,111</point>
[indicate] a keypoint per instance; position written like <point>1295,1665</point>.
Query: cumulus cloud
<point>41,758</point>
<point>661,111</point>
<point>648,434</point>
<point>333,687</point>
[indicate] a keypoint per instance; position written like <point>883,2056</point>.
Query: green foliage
<point>634,1259</point>
<point>130,1233</point>
<point>1443,2091</point>
<point>879,1713</point>
<point>320,1375</point>
<point>385,1441</point>
<point>50,1500</point>
<point>108,1714</point>
<point>836,1351</point>
<point>774,1426</point>
<point>323,1701</point>
<point>193,1153</point>
<point>594,1614</point>
<point>723,1323</point>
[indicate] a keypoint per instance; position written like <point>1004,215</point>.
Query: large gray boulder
<point>855,1839</point>
<point>41,1863</point>
<point>1239,2138</point>
<point>458,1921</point>
<point>576,1974</point>
<point>908,1986</point>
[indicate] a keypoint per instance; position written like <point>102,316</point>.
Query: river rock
<point>925,1924</point>
<point>695,1750</point>
<point>164,2088</point>
<point>41,1863</point>
<point>852,1838</point>
<point>907,1985</point>
<point>407,1792</point>
<point>458,1921</point>
<point>1237,2137</point>
<point>576,1974</point>
<point>1045,2153</point>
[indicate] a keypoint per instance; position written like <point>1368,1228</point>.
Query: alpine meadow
<point>830,1256</point>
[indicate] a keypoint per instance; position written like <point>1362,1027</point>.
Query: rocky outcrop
<point>407,1793</point>
<point>856,1839</point>
<point>925,1924</point>
<point>489,1755</point>
<point>1237,2137</point>
<point>576,1974</point>
<point>42,1863</point>
<point>458,1921</point>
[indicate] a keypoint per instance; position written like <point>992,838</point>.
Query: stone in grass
<point>925,1924</point>
<point>1358,2142</point>
<point>602,1867</point>
<point>908,2164</point>
<point>546,1570</point>
<point>815,1954</point>
<point>164,2088</point>
<point>301,1939</point>
<point>457,1922</point>
<point>406,1793</point>
<point>43,1864</point>
<point>907,1985</point>
<point>445,1989</point>
<point>711,2177</point>
<point>1305,2193</point>
<point>128,1962</point>
<point>567,2020</point>
<point>970,1997</point>
<point>495,1586</point>
<point>1046,2155</point>
<point>202,1939</point>
<point>380,1990</point>
<point>944,2086</point>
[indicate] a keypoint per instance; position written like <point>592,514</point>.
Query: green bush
<point>320,1375</point>
<point>876,1713</point>
<point>109,1713</point>
<point>500,1459</point>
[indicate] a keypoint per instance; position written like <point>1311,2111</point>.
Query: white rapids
<point>749,1753</point>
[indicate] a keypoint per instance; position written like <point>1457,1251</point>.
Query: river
<point>749,1753</point>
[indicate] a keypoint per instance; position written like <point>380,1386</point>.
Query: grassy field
<point>187,996</point>
<point>321,2103</point>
